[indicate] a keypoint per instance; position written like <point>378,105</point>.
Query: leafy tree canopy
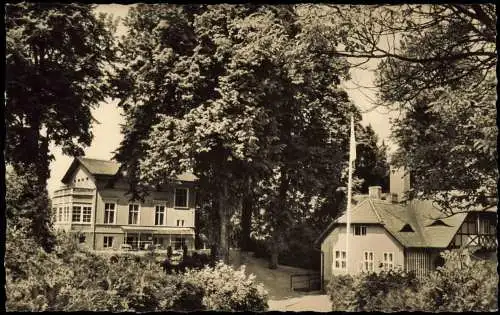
<point>56,56</point>
<point>254,95</point>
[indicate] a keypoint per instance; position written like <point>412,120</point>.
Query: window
<point>87,214</point>
<point>132,240</point>
<point>487,227</point>
<point>133,214</point>
<point>54,214</point>
<point>60,214</point>
<point>368,261</point>
<point>340,260</point>
<point>180,222</point>
<point>109,213</point>
<point>179,242</point>
<point>108,242</point>
<point>158,240</point>
<point>81,239</point>
<point>388,261</point>
<point>181,198</point>
<point>359,230</point>
<point>77,214</point>
<point>159,215</point>
<point>66,214</point>
<point>81,214</point>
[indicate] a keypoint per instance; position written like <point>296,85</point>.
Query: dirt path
<point>277,283</point>
<point>313,303</point>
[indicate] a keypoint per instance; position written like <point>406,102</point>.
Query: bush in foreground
<point>226,289</point>
<point>462,284</point>
<point>73,279</point>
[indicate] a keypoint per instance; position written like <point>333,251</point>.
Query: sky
<point>107,134</point>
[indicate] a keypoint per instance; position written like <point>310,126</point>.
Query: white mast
<point>352,158</point>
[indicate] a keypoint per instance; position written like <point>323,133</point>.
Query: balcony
<point>74,191</point>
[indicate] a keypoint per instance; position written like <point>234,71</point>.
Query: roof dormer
<point>406,228</point>
<point>438,222</point>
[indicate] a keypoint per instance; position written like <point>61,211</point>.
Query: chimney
<point>375,192</point>
<point>399,183</point>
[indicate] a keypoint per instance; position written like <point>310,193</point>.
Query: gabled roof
<point>108,168</point>
<point>419,214</point>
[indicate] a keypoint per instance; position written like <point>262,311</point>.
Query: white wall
<point>82,179</point>
<point>377,240</point>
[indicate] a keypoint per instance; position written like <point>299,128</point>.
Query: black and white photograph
<point>324,157</point>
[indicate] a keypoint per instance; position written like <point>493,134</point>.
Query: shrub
<point>371,290</point>
<point>462,284</point>
<point>73,279</point>
<point>226,289</point>
<point>340,290</point>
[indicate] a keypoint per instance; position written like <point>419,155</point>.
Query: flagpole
<point>352,158</point>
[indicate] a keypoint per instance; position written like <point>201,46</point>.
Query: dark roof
<point>109,168</point>
<point>100,167</point>
<point>419,214</point>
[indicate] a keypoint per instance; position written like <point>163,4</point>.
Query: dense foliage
<point>448,105</point>
<point>462,284</point>
<point>73,279</point>
<point>437,67</point>
<point>227,290</point>
<point>247,97</point>
<point>55,62</point>
<point>462,124</point>
<point>24,200</point>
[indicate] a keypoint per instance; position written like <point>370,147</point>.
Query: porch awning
<point>158,229</point>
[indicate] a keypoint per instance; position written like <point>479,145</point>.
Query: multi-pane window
<point>54,214</point>
<point>159,215</point>
<point>388,261</point>
<point>66,214</point>
<point>340,259</point>
<point>178,242</point>
<point>81,214</point>
<point>487,227</point>
<point>77,214</point>
<point>87,214</point>
<point>133,214</point>
<point>60,214</point>
<point>368,261</point>
<point>109,213</point>
<point>181,198</point>
<point>108,242</point>
<point>359,230</point>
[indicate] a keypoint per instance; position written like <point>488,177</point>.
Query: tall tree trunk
<point>274,251</point>
<point>246,222</point>
<point>279,224</point>
<point>223,250</point>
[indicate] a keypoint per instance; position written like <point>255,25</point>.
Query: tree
<point>147,82</point>
<point>437,62</point>
<point>446,135</point>
<point>438,44</point>
<point>181,76</point>
<point>449,142</point>
<point>241,106</point>
<point>26,206</point>
<point>55,74</point>
<point>371,161</point>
